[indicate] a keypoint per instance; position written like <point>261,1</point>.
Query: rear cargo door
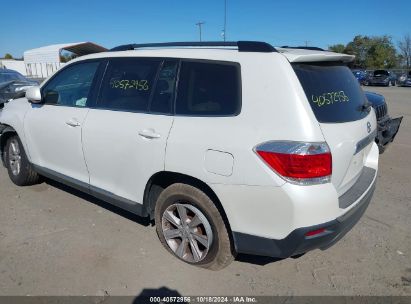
<point>347,122</point>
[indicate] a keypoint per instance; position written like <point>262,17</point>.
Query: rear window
<point>381,73</point>
<point>332,91</point>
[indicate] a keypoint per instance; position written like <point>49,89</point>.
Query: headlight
<point>403,78</point>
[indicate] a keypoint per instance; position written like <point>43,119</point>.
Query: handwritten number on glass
<point>329,98</point>
<point>126,84</point>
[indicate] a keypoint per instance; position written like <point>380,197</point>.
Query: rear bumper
<point>297,242</point>
<point>387,130</point>
<point>377,82</point>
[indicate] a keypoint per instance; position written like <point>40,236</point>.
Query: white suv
<point>229,147</point>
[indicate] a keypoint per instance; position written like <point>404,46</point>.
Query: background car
<point>393,78</point>
<point>13,85</point>
<point>361,75</point>
<point>387,128</point>
<point>379,77</point>
<point>404,80</point>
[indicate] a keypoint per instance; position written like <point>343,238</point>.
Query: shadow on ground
<point>157,295</point>
<point>128,215</point>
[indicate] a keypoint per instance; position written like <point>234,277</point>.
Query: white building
<point>44,61</point>
<point>12,64</point>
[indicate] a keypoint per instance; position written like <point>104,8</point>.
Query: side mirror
<point>33,94</point>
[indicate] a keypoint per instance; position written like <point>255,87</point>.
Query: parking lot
<point>56,241</point>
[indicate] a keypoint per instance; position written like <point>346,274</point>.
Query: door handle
<point>73,123</point>
<point>149,134</point>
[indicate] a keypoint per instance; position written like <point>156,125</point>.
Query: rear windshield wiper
<point>365,107</point>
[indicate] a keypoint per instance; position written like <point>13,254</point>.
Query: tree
<point>359,47</point>
<point>8,56</point>
<point>405,48</point>
<point>381,53</point>
<point>372,52</point>
<point>338,48</point>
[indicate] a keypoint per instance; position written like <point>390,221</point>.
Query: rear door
<point>124,137</point>
<point>346,121</point>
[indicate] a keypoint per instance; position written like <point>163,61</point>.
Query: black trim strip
<point>121,202</point>
<point>365,141</point>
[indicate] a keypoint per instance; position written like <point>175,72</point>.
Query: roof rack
<point>311,48</point>
<point>242,46</point>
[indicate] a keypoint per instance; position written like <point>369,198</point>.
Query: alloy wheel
<point>187,232</point>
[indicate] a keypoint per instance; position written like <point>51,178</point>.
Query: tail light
<point>298,162</point>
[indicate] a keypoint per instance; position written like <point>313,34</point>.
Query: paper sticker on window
<point>329,98</point>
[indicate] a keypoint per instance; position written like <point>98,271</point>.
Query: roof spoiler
<point>311,48</point>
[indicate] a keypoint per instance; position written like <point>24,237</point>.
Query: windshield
<point>10,76</point>
<point>380,72</point>
<point>332,91</point>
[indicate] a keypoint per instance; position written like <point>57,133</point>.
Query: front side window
<point>208,89</point>
<point>128,84</point>
<point>71,86</point>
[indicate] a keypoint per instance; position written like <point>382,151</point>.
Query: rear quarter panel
<point>274,107</point>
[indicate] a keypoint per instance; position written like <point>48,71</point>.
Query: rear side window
<point>128,84</point>
<point>163,96</point>
<point>208,89</point>
<point>332,91</point>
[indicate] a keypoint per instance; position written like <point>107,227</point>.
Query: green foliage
<point>372,52</point>
<point>338,48</point>
<point>8,56</point>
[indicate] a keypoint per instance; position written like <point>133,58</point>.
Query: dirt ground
<point>56,241</point>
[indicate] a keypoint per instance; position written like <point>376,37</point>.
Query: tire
<point>214,252</point>
<point>19,168</point>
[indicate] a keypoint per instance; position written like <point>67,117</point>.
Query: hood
<point>17,83</point>
<point>375,99</point>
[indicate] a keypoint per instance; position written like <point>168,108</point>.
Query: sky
<point>320,23</point>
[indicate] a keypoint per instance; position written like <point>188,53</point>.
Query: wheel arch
<point>6,132</point>
<point>161,180</point>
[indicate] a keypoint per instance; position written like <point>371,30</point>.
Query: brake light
<point>298,162</point>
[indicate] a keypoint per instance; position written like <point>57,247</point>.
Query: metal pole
<point>199,24</point>
<point>225,19</point>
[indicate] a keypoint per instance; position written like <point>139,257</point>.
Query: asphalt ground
<point>57,241</point>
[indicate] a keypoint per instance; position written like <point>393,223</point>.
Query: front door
<point>53,128</point>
